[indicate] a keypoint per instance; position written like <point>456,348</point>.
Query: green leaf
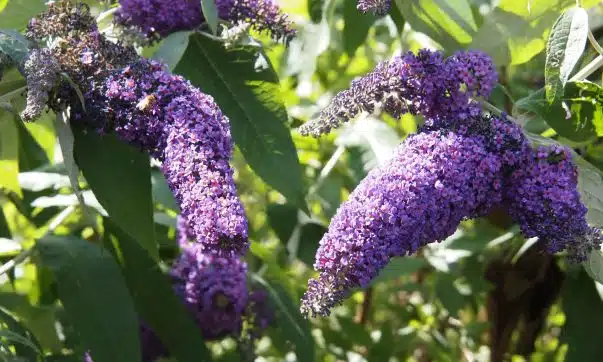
<point>210,13</point>
<point>9,153</point>
<point>13,43</point>
<point>564,48</point>
<point>31,154</point>
<point>293,326</point>
<point>514,33</point>
<point>594,265</point>
<point>310,236</point>
<point>450,23</point>
<point>577,115</point>
<point>27,345</point>
<point>376,138</point>
<point>510,39</point>
<point>161,191</point>
<point>282,219</point>
<point>315,9</point>
<point>581,303</point>
<point>120,176</point>
<point>172,48</point>
<point>155,300</point>
<point>398,18</point>
<point>356,28</point>
<point>94,295</point>
<point>399,266</point>
<point>16,13</point>
<point>247,89</point>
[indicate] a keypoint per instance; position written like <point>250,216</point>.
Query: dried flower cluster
<point>42,77</point>
<point>156,19</point>
<point>424,84</point>
<point>377,7</point>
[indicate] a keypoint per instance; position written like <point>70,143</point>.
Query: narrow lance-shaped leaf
<point>95,297</point>
<point>294,327</point>
<point>120,176</point>
<point>246,88</point>
<point>210,13</point>
<point>155,300</point>
<point>564,48</point>
<point>9,153</point>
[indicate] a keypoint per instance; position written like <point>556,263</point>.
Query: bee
<point>146,103</point>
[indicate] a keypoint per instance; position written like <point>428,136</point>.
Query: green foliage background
<point>483,294</point>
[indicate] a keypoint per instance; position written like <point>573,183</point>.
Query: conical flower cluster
<point>158,18</point>
<point>426,84</point>
<point>459,165</point>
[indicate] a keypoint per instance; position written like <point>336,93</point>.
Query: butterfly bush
<point>158,112</point>
<point>544,199</point>
<point>158,18</point>
<point>377,7</point>
<point>435,179</point>
<point>427,84</point>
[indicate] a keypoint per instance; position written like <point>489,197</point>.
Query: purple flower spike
<point>159,18</point>
<point>377,7</point>
<point>544,200</point>
<point>262,15</point>
<point>435,180</point>
<point>213,288</point>
<point>184,129</point>
<point>424,84</point>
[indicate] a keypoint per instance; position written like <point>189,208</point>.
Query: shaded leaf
<point>247,89</point>
<point>577,115</point>
<point>309,238</point>
<point>315,9</point>
<point>399,266</point>
<point>579,296</point>
<point>13,43</point>
<point>356,28</point>
<point>94,295</point>
<point>564,48</point>
<point>161,191</point>
<point>120,176</point>
<point>9,152</point>
<point>450,23</point>
<point>210,13</point>
<point>293,326</point>
<point>282,219</point>
<point>155,300</point>
<point>26,346</point>
<point>376,138</point>
<point>172,48</point>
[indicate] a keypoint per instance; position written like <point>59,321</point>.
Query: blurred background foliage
<point>481,295</point>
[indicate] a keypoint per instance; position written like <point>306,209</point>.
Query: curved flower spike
<point>435,180</point>
<point>424,84</point>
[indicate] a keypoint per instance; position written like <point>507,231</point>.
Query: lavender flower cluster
<point>441,90</point>
<point>377,7</point>
<point>459,165</point>
<point>156,19</point>
<point>543,198</point>
<point>184,128</point>
<point>435,180</point>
